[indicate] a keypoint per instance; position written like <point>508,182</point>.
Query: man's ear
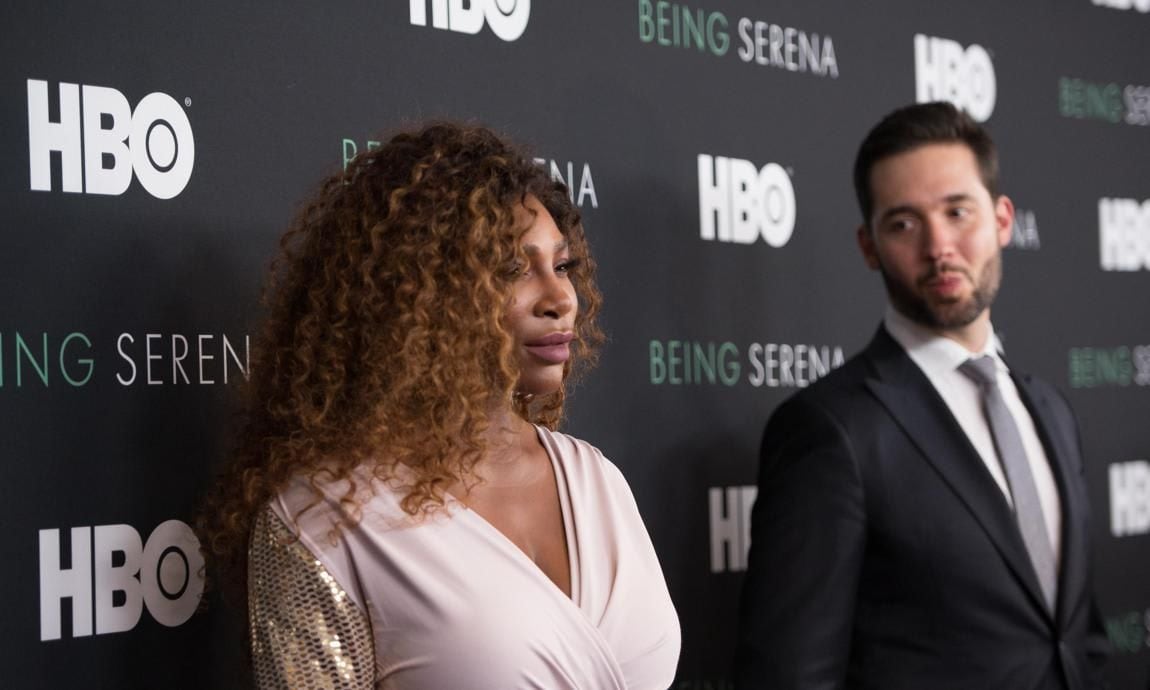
<point>1004,219</point>
<point>866,245</point>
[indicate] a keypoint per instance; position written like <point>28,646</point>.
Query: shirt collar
<point>936,354</point>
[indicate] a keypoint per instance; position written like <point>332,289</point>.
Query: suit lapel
<point>921,413</point>
<point>1059,451</point>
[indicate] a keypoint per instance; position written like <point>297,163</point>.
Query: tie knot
<point>981,370</point>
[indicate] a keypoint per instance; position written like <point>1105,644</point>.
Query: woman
<point>414,519</point>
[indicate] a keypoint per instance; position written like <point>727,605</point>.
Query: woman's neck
<point>512,450</point>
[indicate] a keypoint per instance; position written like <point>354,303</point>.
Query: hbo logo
<point>1124,234</point>
<point>740,203</point>
<point>112,569</point>
<point>507,18</point>
<point>943,71</point>
<point>1140,5</point>
<point>103,142</point>
<point>1130,498</point>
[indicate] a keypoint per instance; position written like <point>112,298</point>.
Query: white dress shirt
<point>939,358</point>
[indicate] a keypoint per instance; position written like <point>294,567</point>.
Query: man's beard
<point>950,314</point>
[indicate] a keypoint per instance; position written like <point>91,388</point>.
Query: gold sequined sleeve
<point>306,632</point>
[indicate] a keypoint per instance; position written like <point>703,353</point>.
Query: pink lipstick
<point>554,348</point>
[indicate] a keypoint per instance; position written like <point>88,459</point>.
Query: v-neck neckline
<point>569,529</point>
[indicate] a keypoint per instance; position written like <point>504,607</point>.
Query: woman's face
<point>541,313</point>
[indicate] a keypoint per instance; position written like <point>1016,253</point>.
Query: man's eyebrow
<point>896,210</point>
<point>907,208</point>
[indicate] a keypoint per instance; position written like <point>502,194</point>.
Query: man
<point>922,522</point>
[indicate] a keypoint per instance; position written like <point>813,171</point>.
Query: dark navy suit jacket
<point>883,554</point>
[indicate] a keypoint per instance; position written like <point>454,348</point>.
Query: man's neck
<point>971,336</point>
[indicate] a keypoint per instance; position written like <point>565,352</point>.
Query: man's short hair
<point>917,125</point>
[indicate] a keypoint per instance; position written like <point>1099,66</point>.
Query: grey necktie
<point>1012,455</point>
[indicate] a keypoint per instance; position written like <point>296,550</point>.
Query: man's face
<point>936,235</point>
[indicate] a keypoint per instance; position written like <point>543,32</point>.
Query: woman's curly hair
<point>385,342</point>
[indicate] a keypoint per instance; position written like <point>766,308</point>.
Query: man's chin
<point>954,314</point>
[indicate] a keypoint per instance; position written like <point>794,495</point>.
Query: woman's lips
<point>555,354</point>
<point>554,348</point>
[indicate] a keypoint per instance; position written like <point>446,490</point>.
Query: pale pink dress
<point>450,602</point>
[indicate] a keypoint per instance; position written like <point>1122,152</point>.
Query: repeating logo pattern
<point>102,141</point>
<point>109,564</point>
<point>45,359</point>
<point>740,202</point>
<point>90,144</point>
<point>1108,102</point>
<point>1130,498</point>
<point>1124,234</point>
<point>675,25</point>
<point>1139,5</point>
<point>945,71</point>
<point>1104,367</point>
<point>770,365</point>
<point>507,19</point>
<point>730,521</point>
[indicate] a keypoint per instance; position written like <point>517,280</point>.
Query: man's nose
<point>937,238</point>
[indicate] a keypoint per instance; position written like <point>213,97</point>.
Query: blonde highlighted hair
<point>384,341</point>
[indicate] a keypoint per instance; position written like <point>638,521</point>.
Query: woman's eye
<point>567,266</point>
<point>514,270</point>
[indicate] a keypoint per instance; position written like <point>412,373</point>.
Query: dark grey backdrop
<point>271,94</point>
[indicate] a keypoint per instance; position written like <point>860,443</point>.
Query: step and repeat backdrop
<point>154,152</point>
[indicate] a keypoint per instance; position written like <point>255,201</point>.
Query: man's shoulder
<point>843,383</point>
<point>847,394</point>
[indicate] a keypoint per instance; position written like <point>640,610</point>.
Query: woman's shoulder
<point>336,519</point>
<point>571,448</point>
<point>319,501</point>
<point>581,459</point>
